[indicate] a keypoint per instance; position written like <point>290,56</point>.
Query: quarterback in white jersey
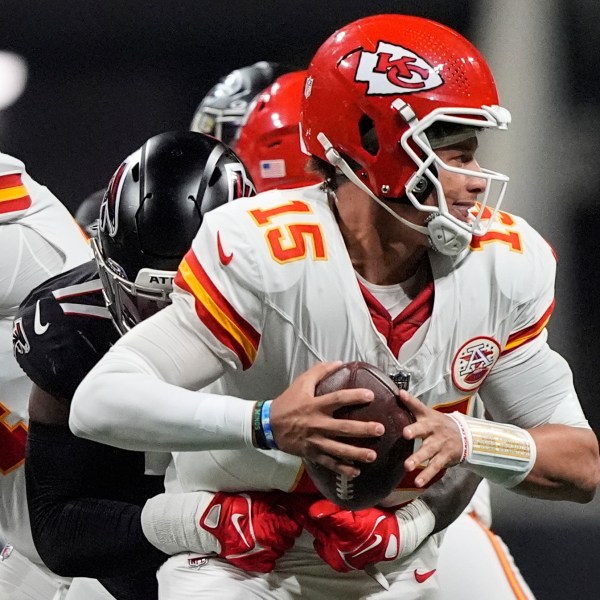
<point>38,239</point>
<point>392,262</point>
<point>269,144</point>
<point>276,325</point>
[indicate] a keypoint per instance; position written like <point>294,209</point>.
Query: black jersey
<point>62,329</point>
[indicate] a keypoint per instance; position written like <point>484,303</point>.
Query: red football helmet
<point>372,91</point>
<point>269,139</point>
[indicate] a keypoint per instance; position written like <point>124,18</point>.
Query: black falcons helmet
<point>222,110</point>
<point>151,212</point>
<point>86,215</point>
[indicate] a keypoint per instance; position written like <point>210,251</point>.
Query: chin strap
<point>444,236</point>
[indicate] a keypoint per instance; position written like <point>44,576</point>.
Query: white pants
<point>474,563</point>
<point>300,573</point>
<point>21,579</point>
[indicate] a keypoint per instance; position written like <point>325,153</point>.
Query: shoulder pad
<point>62,329</point>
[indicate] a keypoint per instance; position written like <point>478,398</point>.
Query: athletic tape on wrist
<point>170,522</point>
<point>416,522</point>
<point>502,453</point>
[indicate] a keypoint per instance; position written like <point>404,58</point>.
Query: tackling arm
<point>87,496</point>
<point>448,497</point>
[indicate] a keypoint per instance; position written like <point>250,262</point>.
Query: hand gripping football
<point>378,479</point>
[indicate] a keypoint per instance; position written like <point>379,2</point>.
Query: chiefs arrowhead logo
<point>393,69</point>
<point>473,362</point>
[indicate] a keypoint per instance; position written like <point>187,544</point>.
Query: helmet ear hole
<point>215,176</point>
<point>135,172</point>
<point>368,135</point>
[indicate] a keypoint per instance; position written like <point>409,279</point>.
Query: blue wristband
<point>265,420</point>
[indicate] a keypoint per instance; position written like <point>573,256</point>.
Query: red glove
<point>348,540</point>
<point>253,529</point>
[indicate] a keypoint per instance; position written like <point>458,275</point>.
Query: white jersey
<point>268,285</point>
<point>38,239</point>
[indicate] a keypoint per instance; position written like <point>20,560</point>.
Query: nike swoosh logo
<point>235,519</point>
<point>224,258</point>
<point>376,543</point>
<point>423,577</point>
<point>37,322</point>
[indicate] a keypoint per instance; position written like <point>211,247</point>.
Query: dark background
<point>105,76</point>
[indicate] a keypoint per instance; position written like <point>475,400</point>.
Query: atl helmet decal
<point>109,209</point>
<point>20,341</point>
<point>394,69</point>
<point>238,182</point>
<point>473,362</point>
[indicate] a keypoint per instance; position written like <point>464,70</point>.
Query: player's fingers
<point>312,376</point>
<point>337,466</point>
<point>350,397</point>
<point>413,404</point>
<point>322,508</point>
<point>419,457</point>
<point>434,466</point>
<point>346,453</point>
<point>419,429</point>
<point>342,428</point>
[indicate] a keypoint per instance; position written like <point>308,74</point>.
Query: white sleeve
<point>533,386</point>
<point>26,260</point>
<point>136,396</point>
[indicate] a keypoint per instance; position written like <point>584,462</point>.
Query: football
<point>378,479</point>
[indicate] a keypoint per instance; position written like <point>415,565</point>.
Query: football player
<point>38,239</point>
<point>403,260</point>
<point>84,498</point>
<point>221,112</point>
<point>269,145</point>
<point>268,141</point>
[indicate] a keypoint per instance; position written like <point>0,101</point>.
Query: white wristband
<point>463,429</point>
<point>171,523</point>
<point>502,453</point>
<point>416,522</point>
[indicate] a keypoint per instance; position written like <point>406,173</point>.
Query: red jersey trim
<point>217,314</point>
<point>14,196</point>
<point>404,326</point>
<point>519,338</point>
